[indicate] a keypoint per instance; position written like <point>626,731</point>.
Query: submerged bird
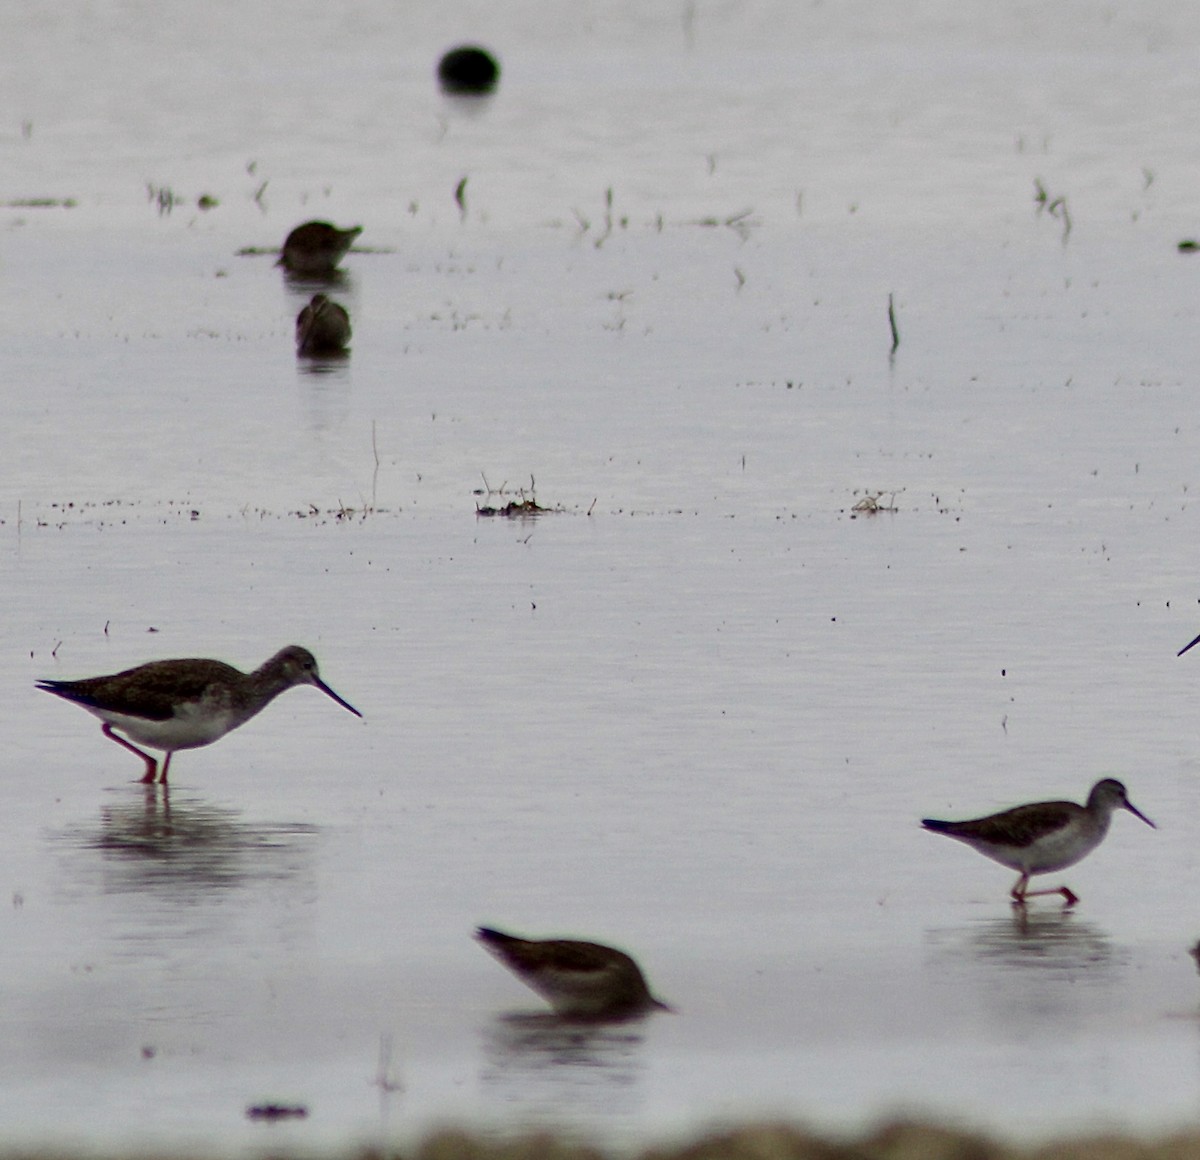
<point>322,327</point>
<point>316,247</point>
<point>1043,836</point>
<point>184,704</point>
<point>580,980</point>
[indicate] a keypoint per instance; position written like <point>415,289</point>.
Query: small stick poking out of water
<point>1187,646</point>
<point>892,324</point>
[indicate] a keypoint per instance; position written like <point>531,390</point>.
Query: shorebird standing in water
<point>185,704</point>
<point>580,980</point>
<point>322,327</point>
<point>315,248</point>
<point>1044,836</point>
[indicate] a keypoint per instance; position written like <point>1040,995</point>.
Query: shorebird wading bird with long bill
<point>185,704</point>
<point>322,327</point>
<point>315,248</point>
<point>1044,836</point>
<point>580,980</point>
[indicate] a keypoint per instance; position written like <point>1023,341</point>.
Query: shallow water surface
<point>697,708</point>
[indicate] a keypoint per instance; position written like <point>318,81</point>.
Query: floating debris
<point>514,509</point>
<point>276,1112</point>
<point>525,504</point>
<point>872,503</point>
<point>41,203</point>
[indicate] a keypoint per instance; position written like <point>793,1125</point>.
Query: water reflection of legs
<point>1030,975</point>
<point>1053,940</point>
<point>149,840</point>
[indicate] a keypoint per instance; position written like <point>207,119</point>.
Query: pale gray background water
<point>700,722</point>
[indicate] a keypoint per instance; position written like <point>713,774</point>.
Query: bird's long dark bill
<point>1136,813</point>
<point>1187,646</point>
<point>346,704</point>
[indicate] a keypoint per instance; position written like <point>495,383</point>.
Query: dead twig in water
<point>385,1078</point>
<point>608,218</point>
<point>276,1112</point>
<point>1055,206</point>
<point>163,195</point>
<point>892,324</point>
<point>375,473</point>
<point>41,203</point>
<point>741,222</point>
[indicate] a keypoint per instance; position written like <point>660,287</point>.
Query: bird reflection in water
<point>153,840</point>
<point>1054,941</point>
<point>1050,941</point>
<point>548,1067</point>
<point>325,386</point>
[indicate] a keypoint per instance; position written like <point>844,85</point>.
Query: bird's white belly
<point>190,727</point>
<point>1057,851</point>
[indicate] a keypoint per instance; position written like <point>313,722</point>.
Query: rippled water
<point>697,709</point>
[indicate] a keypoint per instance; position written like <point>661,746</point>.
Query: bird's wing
<point>1024,825</point>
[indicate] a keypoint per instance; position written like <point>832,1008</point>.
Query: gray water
<point>697,709</point>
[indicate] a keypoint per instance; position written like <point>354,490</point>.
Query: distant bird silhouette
<point>468,69</point>
<point>322,327</point>
<point>184,704</point>
<point>580,980</point>
<point>315,248</point>
<point>1043,836</point>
